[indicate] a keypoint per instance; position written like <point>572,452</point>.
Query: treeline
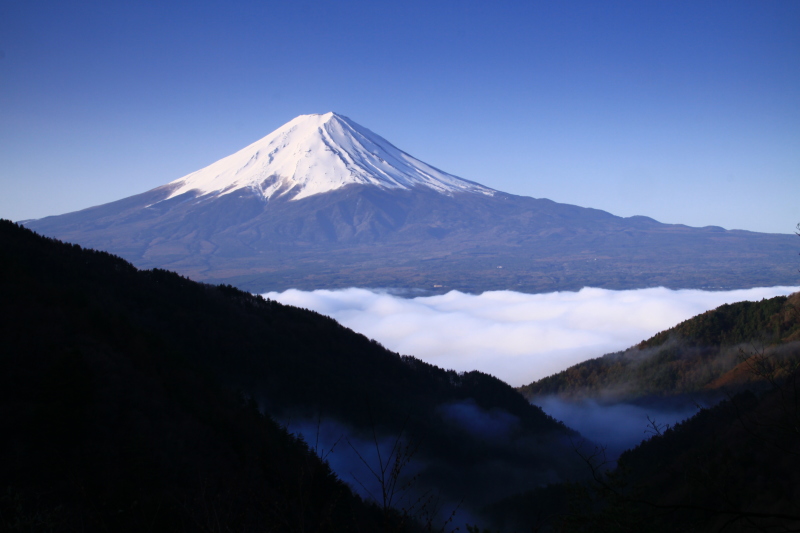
<point>768,321</point>
<point>711,351</point>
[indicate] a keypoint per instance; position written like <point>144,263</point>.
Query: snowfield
<point>314,154</point>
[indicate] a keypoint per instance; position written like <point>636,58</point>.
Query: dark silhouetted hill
<point>140,399</point>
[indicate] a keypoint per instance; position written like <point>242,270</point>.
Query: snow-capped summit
<point>314,154</point>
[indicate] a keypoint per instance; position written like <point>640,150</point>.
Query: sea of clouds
<point>515,336</point>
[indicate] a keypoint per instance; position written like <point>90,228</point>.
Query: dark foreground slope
<point>734,467</point>
<point>117,403</point>
<point>106,427</point>
<point>714,351</point>
<point>370,237</point>
<point>731,467</point>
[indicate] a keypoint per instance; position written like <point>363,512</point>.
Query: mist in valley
<point>621,425</point>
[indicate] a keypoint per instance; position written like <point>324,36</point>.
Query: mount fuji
<point>323,202</point>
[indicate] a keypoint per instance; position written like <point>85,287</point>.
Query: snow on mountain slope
<point>313,154</point>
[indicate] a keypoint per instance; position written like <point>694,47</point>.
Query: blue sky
<point>687,112</point>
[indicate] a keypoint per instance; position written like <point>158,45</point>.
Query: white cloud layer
<point>515,336</point>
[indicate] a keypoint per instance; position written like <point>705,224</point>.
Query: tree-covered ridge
<point>705,352</point>
<point>148,371</point>
<point>730,324</point>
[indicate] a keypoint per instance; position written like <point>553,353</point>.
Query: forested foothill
<point>140,400</point>
<point>711,353</point>
<point>734,466</point>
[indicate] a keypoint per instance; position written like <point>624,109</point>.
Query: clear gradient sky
<point>685,111</point>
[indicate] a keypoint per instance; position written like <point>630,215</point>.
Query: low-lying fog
<point>515,336</point>
<point>619,426</point>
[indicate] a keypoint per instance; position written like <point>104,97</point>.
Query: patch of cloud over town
<point>515,336</point>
